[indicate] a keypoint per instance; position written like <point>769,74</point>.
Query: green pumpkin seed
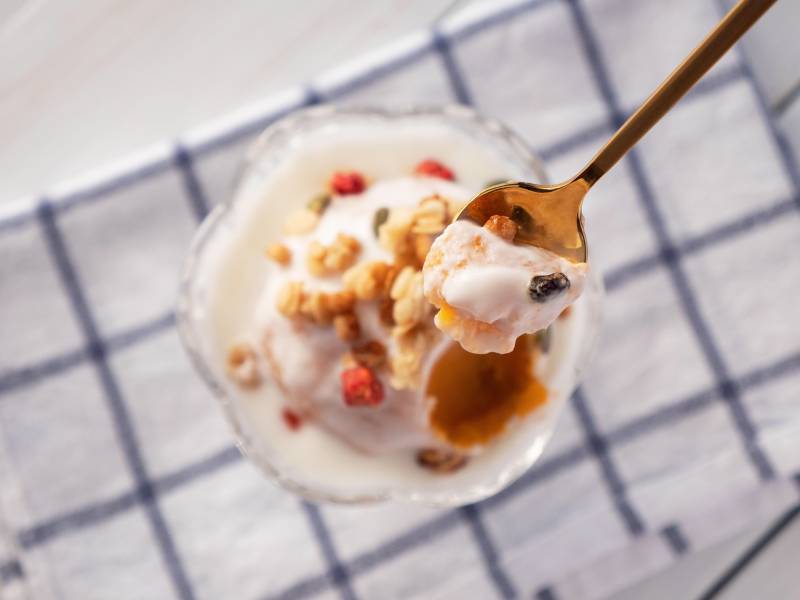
<point>319,203</point>
<point>381,215</point>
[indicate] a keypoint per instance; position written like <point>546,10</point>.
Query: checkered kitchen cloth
<point>118,478</point>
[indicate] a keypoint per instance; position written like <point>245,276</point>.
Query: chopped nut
<point>300,222</point>
<point>440,461</point>
<point>242,366</point>
<point>393,235</point>
<point>290,298</point>
<point>371,354</point>
<point>410,307</point>
<point>315,258</point>
<point>341,302</point>
<point>337,257</point>
<point>406,361</point>
<point>366,280</point>
<point>502,227</point>
<point>279,253</point>
<point>422,245</point>
<point>315,307</point>
<point>430,216</point>
<point>402,283</point>
<point>392,271</point>
<point>386,311</point>
<point>342,253</point>
<point>347,327</point>
<point>544,287</point>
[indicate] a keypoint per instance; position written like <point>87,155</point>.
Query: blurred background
<point>91,82</point>
<point>87,82</point>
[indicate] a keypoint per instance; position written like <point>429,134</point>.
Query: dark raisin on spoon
<point>545,287</point>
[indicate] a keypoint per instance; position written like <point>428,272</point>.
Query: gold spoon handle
<point>740,18</point>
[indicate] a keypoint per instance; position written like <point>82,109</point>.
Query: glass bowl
<point>307,467</point>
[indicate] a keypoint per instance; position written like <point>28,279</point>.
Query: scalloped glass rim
<point>190,336</point>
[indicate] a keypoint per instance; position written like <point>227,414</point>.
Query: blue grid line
<point>17,219</point>
<point>101,189</point>
<point>415,537</point>
<point>788,159</point>
<point>194,191</point>
<point>457,83</point>
<point>197,470</point>
<point>611,477</point>
<point>690,405</point>
<point>336,570</point>
<point>54,365</point>
<point>380,71</point>
<point>11,570</point>
<point>546,593</point>
<point>11,380</point>
<point>543,470</point>
<point>102,510</point>
<point>248,128</point>
<point>618,277</point>
<point>713,356</point>
<point>119,413</point>
<point>675,539</point>
<point>501,581</point>
<point>89,515</point>
<point>500,16</point>
<point>132,336</point>
<point>304,589</point>
<point>714,82</point>
<point>591,133</point>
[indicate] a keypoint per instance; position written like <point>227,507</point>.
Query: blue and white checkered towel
<point>118,478</point>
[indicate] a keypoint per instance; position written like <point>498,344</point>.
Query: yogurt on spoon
<point>489,292</point>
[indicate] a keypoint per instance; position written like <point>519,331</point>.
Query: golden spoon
<point>549,216</point>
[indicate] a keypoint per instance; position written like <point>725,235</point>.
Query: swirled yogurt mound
<point>489,291</point>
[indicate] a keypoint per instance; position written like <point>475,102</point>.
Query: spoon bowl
<point>547,216</point>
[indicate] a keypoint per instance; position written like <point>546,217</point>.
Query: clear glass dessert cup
<point>506,458</point>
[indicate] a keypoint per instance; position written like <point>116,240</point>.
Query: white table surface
<point>84,83</point>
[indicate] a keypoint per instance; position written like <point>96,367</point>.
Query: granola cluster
<point>395,285</point>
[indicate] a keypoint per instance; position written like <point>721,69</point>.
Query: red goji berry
<point>292,419</point>
<point>347,182</point>
<point>433,168</point>
<point>360,387</point>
